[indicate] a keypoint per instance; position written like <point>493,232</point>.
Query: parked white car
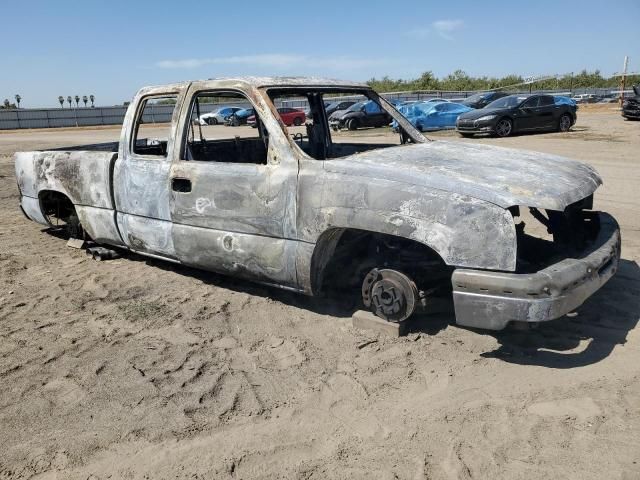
<point>217,116</point>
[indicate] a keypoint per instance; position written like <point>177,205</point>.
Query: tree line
<point>460,80</point>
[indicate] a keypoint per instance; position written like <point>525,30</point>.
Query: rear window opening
<point>340,122</point>
<point>153,125</point>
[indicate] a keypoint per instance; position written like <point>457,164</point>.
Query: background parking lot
<point>140,367</point>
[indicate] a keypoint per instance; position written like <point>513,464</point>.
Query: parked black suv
<point>519,113</point>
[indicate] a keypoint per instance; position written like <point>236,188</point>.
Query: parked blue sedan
<point>433,116</point>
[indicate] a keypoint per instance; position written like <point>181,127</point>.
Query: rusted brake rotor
<point>391,295</point>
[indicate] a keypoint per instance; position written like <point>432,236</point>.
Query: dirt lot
<point>138,369</point>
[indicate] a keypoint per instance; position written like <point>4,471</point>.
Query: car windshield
<point>476,97</point>
<point>507,102</point>
<point>355,107</point>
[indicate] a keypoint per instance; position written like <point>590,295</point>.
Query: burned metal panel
<point>461,229</point>
<point>141,182</point>
<point>492,299</point>
<point>84,177</point>
<point>502,176</point>
<point>255,81</point>
<point>147,235</point>
<point>254,202</point>
<point>100,224</point>
<point>245,198</point>
<point>141,185</point>
<point>264,259</point>
<point>31,208</point>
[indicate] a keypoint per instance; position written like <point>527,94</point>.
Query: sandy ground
<point>139,369</point>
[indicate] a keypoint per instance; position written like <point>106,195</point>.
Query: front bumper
<point>491,300</point>
<point>475,126</point>
<point>631,113</point>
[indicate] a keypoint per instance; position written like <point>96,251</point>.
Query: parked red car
<point>290,116</point>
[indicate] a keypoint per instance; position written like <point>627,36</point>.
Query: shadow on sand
<point>601,324</point>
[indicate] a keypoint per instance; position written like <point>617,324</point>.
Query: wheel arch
<point>55,204</point>
<point>462,231</point>
<point>331,240</point>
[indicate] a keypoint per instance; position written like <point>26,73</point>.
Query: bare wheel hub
<point>391,295</point>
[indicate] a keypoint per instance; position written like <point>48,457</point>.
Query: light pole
<point>18,98</point>
<point>69,100</point>
<point>61,100</point>
<point>77,100</point>
<point>85,100</point>
<point>92,98</point>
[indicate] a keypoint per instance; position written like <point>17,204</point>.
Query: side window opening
<point>153,125</point>
<point>224,127</point>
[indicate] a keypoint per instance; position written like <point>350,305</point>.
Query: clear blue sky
<point>111,48</point>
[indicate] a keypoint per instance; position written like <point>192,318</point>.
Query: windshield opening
<point>507,102</point>
<point>477,97</point>
<point>339,122</point>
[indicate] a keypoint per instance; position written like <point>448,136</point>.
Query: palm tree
<point>85,100</point>
<point>61,100</point>
<point>18,98</point>
<point>77,100</point>
<point>92,98</point>
<point>69,99</point>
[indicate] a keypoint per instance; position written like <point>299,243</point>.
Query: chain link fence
<point>89,116</point>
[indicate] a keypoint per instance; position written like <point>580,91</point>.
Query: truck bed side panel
<point>84,177</point>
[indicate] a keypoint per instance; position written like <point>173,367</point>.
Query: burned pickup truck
<point>311,210</point>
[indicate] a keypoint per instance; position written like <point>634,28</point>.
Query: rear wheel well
<point>344,256</point>
<point>60,211</point>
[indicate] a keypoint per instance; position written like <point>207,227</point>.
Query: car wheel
<point>564,124</point>
<point>297,121</point>
<point>352,124</point>
<point>390,294</point>
<point>213,121</point>
<point>504,127</point>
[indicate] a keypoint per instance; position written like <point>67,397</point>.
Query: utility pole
<point>623,79</point>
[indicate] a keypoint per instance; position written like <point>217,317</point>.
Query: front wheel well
<point>343,257</point>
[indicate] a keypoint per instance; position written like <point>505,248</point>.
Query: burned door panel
<point>141,175</point>
<point>255,257</point>
<point>237,214</point>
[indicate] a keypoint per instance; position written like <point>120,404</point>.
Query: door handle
<point>182,185</point>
